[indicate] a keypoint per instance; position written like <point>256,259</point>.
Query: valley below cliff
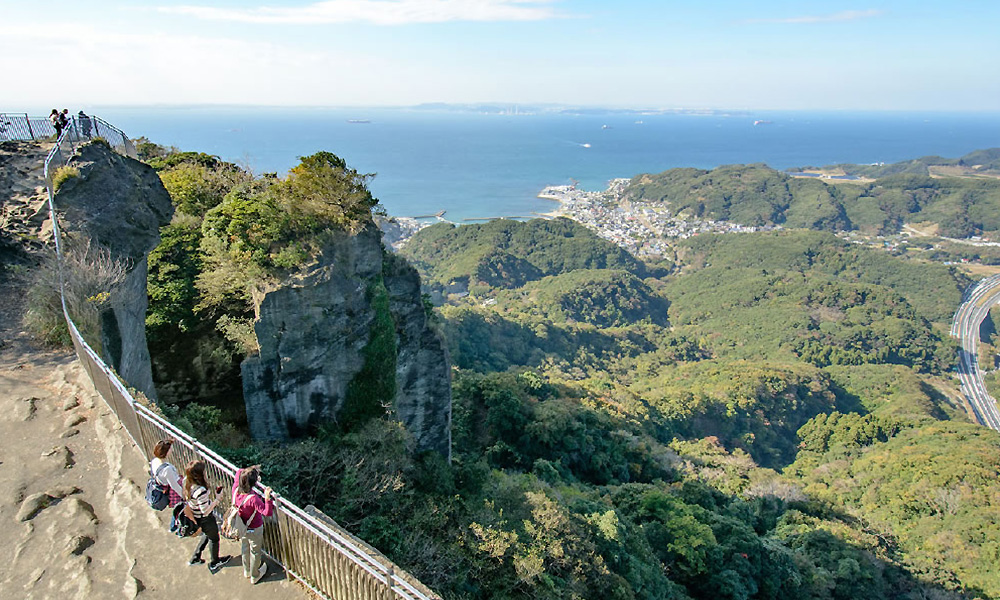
<point>528,410</point>
<point>762,414</point>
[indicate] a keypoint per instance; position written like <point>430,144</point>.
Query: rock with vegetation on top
<point>345,340</point>
<point>118,204</point>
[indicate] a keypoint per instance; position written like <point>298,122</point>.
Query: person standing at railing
<point>56,118</point>
<point>84,122</point>
<point>165,473</point>
<point>200,507</point>
<point>66,118</point>
<point>253,509</point>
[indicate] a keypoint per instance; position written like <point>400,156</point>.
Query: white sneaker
<point>260,572</point>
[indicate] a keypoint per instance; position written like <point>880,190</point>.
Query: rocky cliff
<point>348,338</point>
<point>423,368</point>
<point>116,203</point>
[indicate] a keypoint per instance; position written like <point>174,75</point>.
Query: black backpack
<point>157,494</point>
<point>181,524</point>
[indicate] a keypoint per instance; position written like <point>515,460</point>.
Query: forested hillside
<point>981,162</point>
<point>508,254</point>
<point>904,192</point>
<point>760,337</point>
<point>772,417</point>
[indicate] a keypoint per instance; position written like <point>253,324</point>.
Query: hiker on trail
<point>57,122</point>
<point>84,121</point>
<point>165,473</point>
<point>199,509</point>
<point>253,509</point>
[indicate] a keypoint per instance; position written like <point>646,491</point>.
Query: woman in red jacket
<point>253,509</point>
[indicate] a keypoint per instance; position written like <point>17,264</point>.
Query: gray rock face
<point>423,368</point>
<point>312,333</point>
<point>119,204</point>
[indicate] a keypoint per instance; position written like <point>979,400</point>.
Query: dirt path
<point>71,480</point>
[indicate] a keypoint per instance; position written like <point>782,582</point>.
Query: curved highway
<point>970,315</point>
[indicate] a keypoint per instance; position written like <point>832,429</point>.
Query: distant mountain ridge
<point>964,201</point>
<point>985,161</point>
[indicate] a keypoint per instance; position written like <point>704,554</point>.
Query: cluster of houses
<point>642,228</point>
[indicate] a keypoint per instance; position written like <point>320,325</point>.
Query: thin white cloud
<point>95,65</point>
<point>844,16</point>
<point>379,12</point>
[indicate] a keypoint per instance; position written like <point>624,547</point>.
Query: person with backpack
<point>199,508</point>
<point>65,119</point>
<point>252,510</point>
<point>165,474</point>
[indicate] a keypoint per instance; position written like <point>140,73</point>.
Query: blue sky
<point>879,55</point>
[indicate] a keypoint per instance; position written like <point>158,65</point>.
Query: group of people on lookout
<point>200,499</point>
<point>61,120</point>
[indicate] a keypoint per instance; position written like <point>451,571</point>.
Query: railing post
<point>142,441</point>
<point>27,120</point>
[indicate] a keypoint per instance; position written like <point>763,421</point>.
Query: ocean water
<point>478,166</point>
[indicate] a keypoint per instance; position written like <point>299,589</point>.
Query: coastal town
<point>396,231</point>
<point>642,228</point>
<point>650,229</point>
<point>646,229</point>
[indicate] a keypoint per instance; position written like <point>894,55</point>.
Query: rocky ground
<point>71,480</point>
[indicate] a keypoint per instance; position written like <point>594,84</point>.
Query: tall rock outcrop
<point>118,204</point>
<point>423,368</point>
<point>318,359</point>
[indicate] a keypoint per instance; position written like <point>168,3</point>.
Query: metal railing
<point>315,550</point>
<point>19,126</point>
<point>79,129</point>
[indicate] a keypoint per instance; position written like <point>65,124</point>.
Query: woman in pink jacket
<point>253,509</point>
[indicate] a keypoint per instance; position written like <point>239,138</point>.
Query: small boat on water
<point>761,122</point>
<point>357,121</point>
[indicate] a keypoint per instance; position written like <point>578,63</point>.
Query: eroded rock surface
<point>119,204</point>
<point>313,332</point>
<point>423,367</point>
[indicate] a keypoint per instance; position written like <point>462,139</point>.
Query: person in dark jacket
<point>84,122</point>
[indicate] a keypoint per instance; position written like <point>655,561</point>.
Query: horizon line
<point>525,105</point>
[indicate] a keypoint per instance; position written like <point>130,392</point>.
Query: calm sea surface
<point>474,165</point>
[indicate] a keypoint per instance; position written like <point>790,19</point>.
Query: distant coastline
<point>476,165</point>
